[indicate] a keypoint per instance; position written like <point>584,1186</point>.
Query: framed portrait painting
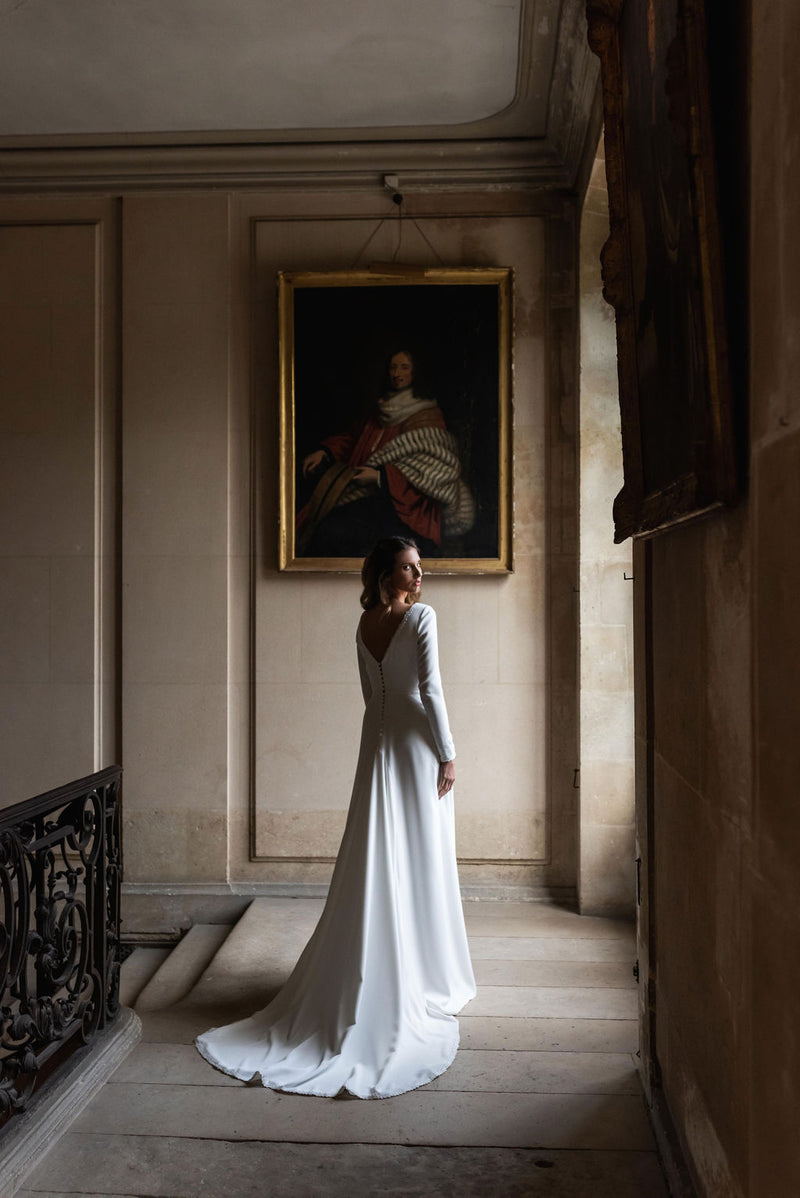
<point>663,266</point>
<point>395,416</point>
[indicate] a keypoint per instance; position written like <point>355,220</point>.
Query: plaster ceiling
<point>507,82</point>
<point>97,67</point>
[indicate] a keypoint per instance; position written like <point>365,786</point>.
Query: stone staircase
<point>219,966</point>
<point>155,978</point>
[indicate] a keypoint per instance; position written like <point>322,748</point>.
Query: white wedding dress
<point>370,1006</point>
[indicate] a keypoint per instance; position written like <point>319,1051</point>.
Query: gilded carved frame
<point>337,331</point>
<point>662,264</point>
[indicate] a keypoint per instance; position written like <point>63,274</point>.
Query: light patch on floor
<point>543,1097</point>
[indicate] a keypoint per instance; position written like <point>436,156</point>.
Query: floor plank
<point>554,973</point>
<point>422,1117</point>
<point>163,1167</point>
<point>549,1035</point>
<point>513,1072</point>
<point>565,1002</point>
<point>550,948</point>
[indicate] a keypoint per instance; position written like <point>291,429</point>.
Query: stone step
<point>473,1071</point>
<point>181,1024</point>
<point>137,971</point>
<point>436,1117</point>
<point>258,955</point>
<point>181,969</point>
<point>102,1166</point>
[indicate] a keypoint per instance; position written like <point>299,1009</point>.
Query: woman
<point>396,470</point>
<point>370,1005</point>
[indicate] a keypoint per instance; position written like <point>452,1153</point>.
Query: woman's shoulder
<point>424,612</point>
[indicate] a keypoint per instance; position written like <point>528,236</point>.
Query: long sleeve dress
<point>370,1006</point>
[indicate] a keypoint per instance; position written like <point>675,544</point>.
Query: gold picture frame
<point>367,450</point>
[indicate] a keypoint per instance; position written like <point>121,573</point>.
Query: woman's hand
<point>313,460</point>
<point>447,776</point>
<point>367,474</point>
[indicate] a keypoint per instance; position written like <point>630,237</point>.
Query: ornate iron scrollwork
<point>60,875</point>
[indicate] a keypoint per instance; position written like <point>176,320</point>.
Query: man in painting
<point>396,473</point>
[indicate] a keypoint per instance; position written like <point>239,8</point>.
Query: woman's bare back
<point>378,626</point>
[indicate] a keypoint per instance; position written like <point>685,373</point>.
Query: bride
<point>370,1006</point>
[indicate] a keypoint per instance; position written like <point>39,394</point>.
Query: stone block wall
<point>724,665</point>
<point>606,852</point>
<point>145,601</point>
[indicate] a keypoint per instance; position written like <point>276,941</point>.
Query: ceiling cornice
<point>459,161</point>
<point>420,166</point>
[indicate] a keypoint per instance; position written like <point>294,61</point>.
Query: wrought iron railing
<point>60,874</point>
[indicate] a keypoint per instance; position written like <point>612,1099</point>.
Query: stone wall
<point>229,690</point>
<point>58,535</point>
<point>724,665</point>
<point>606,871</point>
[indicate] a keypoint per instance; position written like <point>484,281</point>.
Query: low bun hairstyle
<point>378,565</point>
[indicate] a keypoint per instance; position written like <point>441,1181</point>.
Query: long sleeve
<point>366,685</point>
<point>430,684</point>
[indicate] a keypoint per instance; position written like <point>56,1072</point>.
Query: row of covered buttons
<point>383,697</point>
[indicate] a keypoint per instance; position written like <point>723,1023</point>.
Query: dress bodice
<point>409,668</point>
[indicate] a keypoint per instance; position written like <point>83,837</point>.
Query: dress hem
<point>207,1055</point>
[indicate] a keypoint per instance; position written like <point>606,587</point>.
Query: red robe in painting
<point>418,511</point>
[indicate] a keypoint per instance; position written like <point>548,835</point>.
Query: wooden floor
<point>542,1099</point>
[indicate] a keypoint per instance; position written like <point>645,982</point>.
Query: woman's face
<point>401,371</point>
<point>406,577</point>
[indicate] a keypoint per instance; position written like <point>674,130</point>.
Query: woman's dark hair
<point>377,567</point>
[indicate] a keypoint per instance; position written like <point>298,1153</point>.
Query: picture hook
<point>392,184</point>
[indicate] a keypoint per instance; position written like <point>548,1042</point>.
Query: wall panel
<point>175,541</point>
<point>58,467</point>
<point>228,691</point>
<point>494,639</point>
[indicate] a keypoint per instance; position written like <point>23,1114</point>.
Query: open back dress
<point>370,1006</point>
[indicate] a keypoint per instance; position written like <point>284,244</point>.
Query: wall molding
<point>437,165</point>
<point>501,892</point>
<point>546,862</point>
<point>87,616</point>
